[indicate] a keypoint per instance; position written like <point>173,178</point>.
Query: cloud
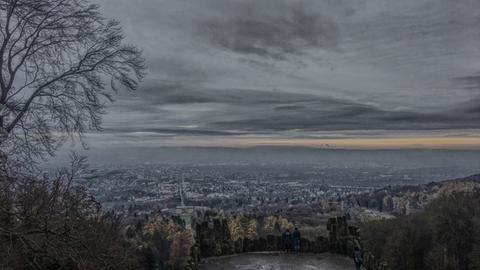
<point>353,118</point>
<point>175,93</point>
<point>272,29</point>
<point>171,132</point>
<point>225,112</point>
<point>342,66</point>
<point>471,82</point>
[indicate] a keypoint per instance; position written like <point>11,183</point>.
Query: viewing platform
<point>278,261</point>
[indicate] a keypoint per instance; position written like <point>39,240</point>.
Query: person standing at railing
<point>296,240</point>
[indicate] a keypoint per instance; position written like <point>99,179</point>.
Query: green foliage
<point>445,236</point>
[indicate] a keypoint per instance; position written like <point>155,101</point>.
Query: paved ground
<point>277,261</point>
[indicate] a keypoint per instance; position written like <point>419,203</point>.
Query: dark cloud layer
<point>171,132</point>
<point>313,116</point>
<point>250,111</point>
<point>469,82</point>
<point>256,30</point>
<point>339,65</point>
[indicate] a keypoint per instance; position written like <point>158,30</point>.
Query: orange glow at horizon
<point>353,143</point>
<point>471,141</point>
<point>422,142</point>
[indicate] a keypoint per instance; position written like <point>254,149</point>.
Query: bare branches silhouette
<point>59,62</point>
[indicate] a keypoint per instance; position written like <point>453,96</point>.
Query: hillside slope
<point>411,199</point>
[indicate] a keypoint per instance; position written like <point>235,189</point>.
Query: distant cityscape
<point>244,187</point>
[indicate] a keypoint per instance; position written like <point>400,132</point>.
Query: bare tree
<point>59,61</point>
<point>53,223</point>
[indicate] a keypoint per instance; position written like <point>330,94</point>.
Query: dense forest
<point>445,236</point>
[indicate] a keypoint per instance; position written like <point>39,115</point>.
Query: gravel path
<point>278,261</point>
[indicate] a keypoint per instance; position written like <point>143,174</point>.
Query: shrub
<point>444,236</point>
<point>53,224</point>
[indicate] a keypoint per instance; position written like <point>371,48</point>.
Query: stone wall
<point>213,239</point>
<point>342,238</point>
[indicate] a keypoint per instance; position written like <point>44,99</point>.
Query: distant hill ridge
<point>410,199</point>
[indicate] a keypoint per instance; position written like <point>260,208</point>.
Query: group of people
<point>291,240</point>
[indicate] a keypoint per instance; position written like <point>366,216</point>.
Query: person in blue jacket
<point>296,240</point>
<point>358,258</point>
<point>287,240</point>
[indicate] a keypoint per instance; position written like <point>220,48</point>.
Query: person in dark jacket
<point>296,240</point>
<point>358,258</point>
<point>287,240</point>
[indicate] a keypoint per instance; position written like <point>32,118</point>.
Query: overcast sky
<point>226,72</point>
